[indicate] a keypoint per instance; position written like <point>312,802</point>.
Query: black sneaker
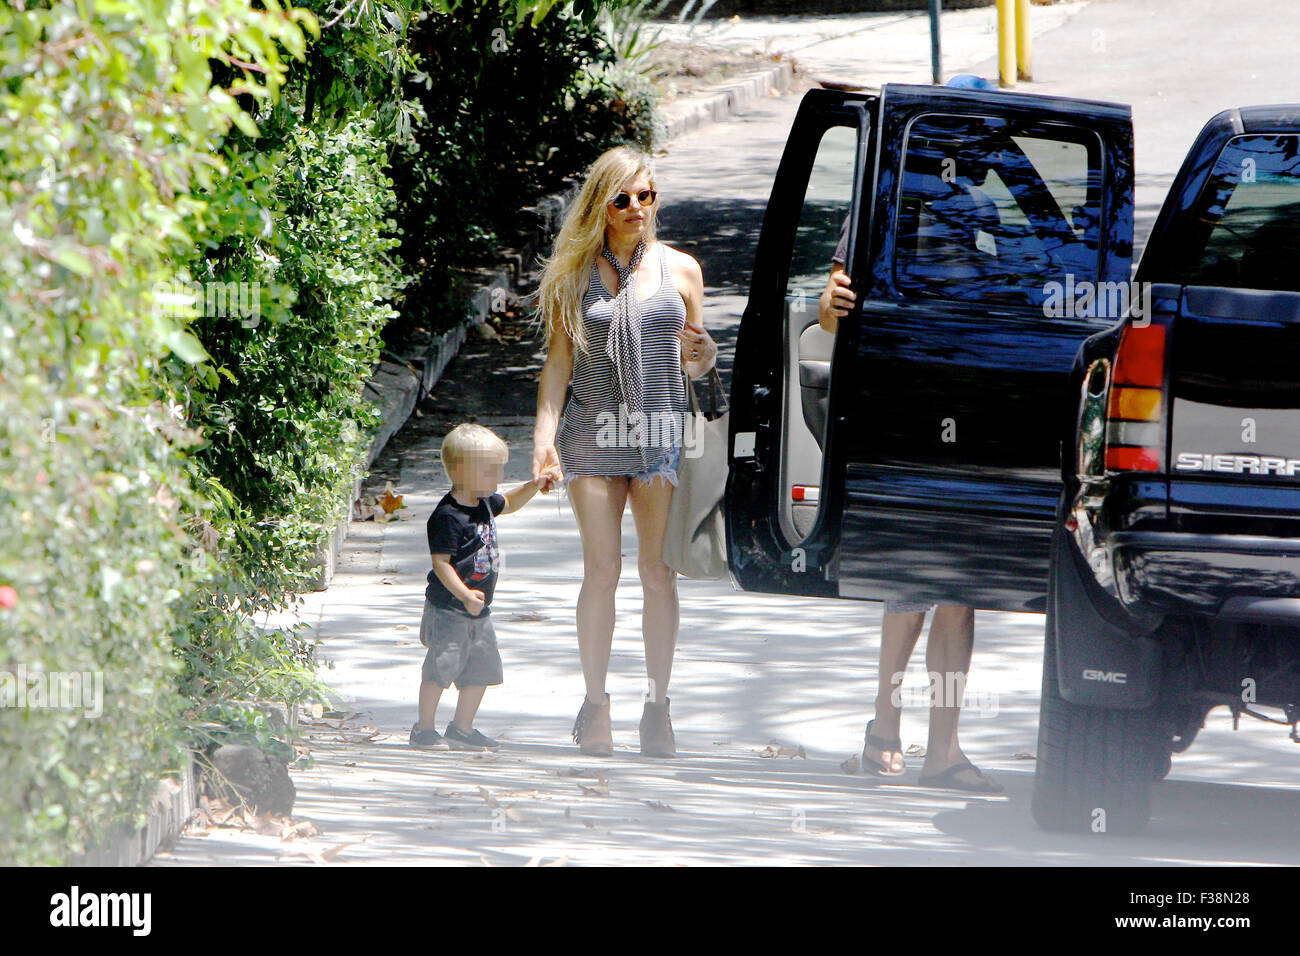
<point>427,738</point>
<point>457,739</point>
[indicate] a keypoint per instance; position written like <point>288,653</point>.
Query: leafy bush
<point>93,479</point>
<point>512,109</point>
<point>168,468</point>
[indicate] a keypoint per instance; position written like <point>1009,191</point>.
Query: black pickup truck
<point>1011,419</point>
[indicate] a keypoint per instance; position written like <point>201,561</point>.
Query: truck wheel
<point>1095,764</point>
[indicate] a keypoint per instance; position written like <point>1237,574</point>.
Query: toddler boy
<point>457,626</point>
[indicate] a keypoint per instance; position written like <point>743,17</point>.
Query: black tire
<point>1090,759</point>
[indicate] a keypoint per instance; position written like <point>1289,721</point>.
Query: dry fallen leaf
<point>265,825</point>
<point>852,765</point>
<point>656,805</point>
<point>526,616</point>
<point>1024,755</point>
<point>774,750</point>
<point>316,854</point>
<point>487,797</point>
<point>299,830</point>
<point>334,851</point>
<point>389,501</point>
<point>601,789</point>
<point>514,815</point>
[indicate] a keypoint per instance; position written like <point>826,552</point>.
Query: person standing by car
<point>622,353</point>
<point>947,650</point>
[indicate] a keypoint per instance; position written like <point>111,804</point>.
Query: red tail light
<point>1135,408</point>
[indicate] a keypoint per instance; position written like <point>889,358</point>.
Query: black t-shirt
<point>469,536</point>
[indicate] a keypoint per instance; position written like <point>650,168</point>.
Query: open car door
<point>774,438</point>
<point>990,234</point>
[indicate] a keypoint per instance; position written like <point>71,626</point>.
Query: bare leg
<point>898,635</point>
<point>598,505</point>
<point>947,658</point>
<point>467,706</point>
<point>659,610</point>
<point>430,694</point>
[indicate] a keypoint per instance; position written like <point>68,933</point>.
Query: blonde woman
<point>623,316</point>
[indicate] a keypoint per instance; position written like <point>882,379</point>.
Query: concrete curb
<point>170,809</point>
<point>725,100</point>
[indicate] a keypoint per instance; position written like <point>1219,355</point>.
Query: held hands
<point>546,467</point>
<point>473,603</point>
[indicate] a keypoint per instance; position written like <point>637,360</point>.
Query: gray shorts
<point>462,649</point>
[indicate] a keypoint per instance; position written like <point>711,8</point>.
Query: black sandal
<point>880,743</point>
<point>948,780</point>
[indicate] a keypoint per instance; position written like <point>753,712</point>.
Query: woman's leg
<point>659,610</point>
<point>898,635</point>
<point>947,657</point>
<point>598,505</point>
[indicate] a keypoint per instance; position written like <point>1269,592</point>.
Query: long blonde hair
<point>566,272</point>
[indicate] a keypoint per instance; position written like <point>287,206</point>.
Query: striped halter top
<point>596,436</point>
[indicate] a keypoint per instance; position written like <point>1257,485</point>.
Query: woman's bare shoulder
<point>681,262</point>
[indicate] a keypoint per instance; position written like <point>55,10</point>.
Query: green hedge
<point>168,468</point>
<point>94,483</point>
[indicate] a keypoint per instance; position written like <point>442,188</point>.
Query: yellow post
<point>1006,43</point>
<point>1024,42</point>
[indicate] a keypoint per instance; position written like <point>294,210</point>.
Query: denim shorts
<point>666,469</point>
<point>907,607</point>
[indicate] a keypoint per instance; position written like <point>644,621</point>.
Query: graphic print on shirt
<point>485,559</point>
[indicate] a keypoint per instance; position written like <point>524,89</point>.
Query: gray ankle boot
<point>657,730</point>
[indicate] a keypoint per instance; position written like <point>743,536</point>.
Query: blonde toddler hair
<point>467,442</point>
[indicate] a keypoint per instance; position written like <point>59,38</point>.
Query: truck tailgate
<point>1234,385</point>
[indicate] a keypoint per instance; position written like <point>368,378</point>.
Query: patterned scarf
<point>623,344</point>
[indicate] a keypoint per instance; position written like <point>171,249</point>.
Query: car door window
<point>825,206</point>
<point>1247,232</point>
<point>990,209</point>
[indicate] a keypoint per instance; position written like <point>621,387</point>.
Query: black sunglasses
<point>645,197</point>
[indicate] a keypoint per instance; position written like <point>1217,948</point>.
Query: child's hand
<point>548,479</point>
<point>474,603</point>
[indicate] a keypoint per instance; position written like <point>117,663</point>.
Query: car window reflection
<point>991,211</point>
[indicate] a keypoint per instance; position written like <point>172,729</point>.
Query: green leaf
<point>246,124</point>
<point>73,258</point>
<point>186,347</point>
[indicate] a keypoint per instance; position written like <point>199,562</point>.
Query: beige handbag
<point>695,540</point>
